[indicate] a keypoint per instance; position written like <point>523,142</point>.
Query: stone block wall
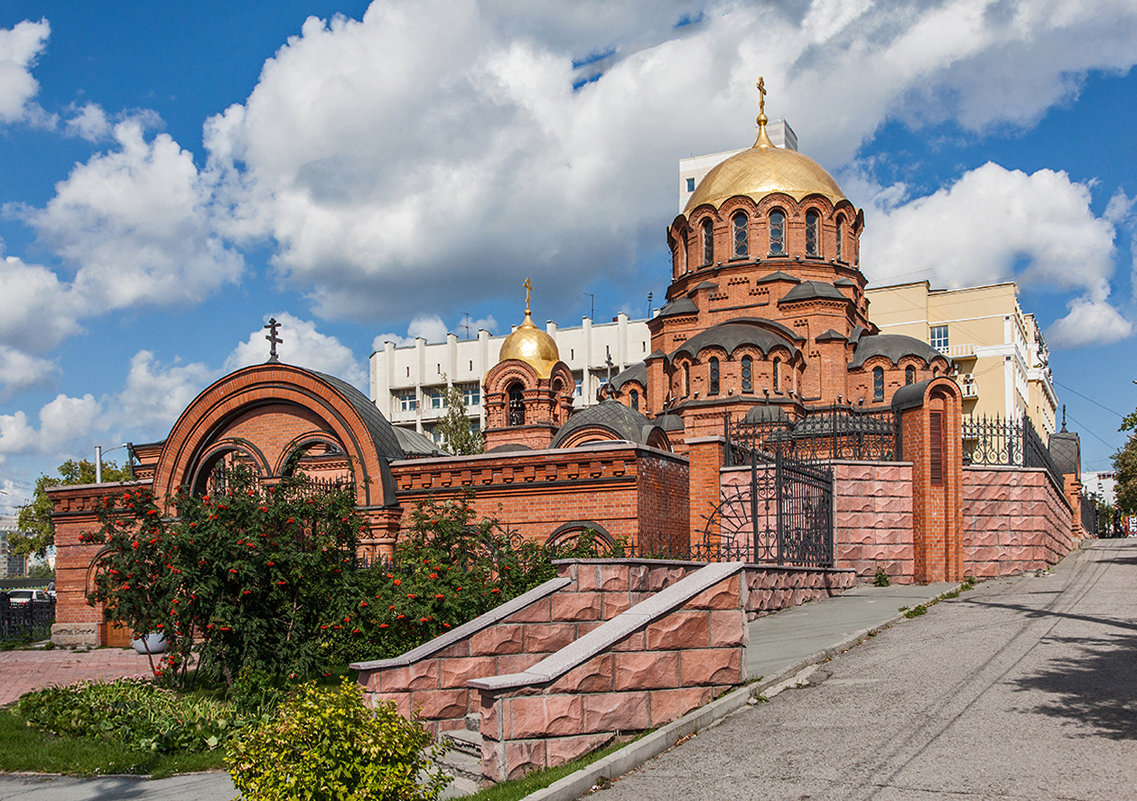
<point>872,519</point>
<point>609,646</point>
<point>1015,520</point>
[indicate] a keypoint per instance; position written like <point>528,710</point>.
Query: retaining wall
<point>609,646</point>
<point>1015,519</point>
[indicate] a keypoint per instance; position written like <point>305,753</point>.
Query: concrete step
<point>465,741</point>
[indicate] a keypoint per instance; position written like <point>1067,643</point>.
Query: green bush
<point>881,579</point>
<point>134,712</point>
<point>326,745</point>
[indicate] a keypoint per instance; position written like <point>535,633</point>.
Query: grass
<point>538,780</point>
<point>25,749</point>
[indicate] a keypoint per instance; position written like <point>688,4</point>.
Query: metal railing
<point>25,621</point>
<point>821,434</point>
<point>993,441</point>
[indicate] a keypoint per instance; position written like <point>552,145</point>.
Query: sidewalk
<point>780,645</point>
<point>24,671</point>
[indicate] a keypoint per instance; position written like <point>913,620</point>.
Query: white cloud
<point>980,228</point>
<point>135,222</point>
<point>1089,322</point>
<point>392,181</point>
<point>19,370</point>
<point>155,395</point>
<point>39,310</point>
<point>303,346</point>
<point>19,47</point>
<point>61,421</point>
<point>90,122</point>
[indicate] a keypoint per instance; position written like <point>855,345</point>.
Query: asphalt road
<point>1022,688</point>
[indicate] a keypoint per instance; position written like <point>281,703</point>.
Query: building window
<point>714,383</point>
<point>472,395</point>
<point>777,374</point>
<point>635,398</point>
<point>686,380</point>
<point>939,338</point>
<point>516,405</point>
<point>747,374</point>
<point>839,250</point>
<point>578,390</point>
<point>408,401</point>
<point>777,233</point>
<point>811,235</point>
<point>909,375</point>
<point>878,383</point>
<point>436,398</point>
<point>708,243</point>
<point>690,184</point>
<point>741,235</point>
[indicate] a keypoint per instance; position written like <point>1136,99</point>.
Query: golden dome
<point>763,170</point>
<point>531,345</point>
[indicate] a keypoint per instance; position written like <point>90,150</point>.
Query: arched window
<point>686,379</point>
<point>714,382</point>
<point>909,375</point>
<point>635,398</point>
<point>777,374</point>
<point>747,374</point>
<point>516,405</point>
<point>839,250</point>
<point>777,233</point>
<point>812,222</point>
<point>708,243</point>
<point>878,383</point>
<point>741,228</point>
<point>683,255</point>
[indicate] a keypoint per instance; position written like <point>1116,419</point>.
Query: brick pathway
<point>23,671</point>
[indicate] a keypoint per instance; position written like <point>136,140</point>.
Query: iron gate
<point>782,515</point>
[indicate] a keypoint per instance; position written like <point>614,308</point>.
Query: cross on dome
<point>273,340</point>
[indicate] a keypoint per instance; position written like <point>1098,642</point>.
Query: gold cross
<point>762,95</point>
<point>528,288</point>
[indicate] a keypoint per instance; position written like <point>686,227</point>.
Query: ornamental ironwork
<point>1000,441</point>
<point>821,434</point>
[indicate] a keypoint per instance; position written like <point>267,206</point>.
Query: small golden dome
<point>531,345</point>
<point>763,170</point>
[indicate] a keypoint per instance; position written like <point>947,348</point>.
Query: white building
<point>10,564</point>
<point>408,381</point>
<point>1102,485</point>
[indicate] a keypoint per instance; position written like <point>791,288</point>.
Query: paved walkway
<point>1022,688</point>
<point>24,671</point>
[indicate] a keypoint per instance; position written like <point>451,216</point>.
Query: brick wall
<point>1015,519</point>
<point>872,519</point>
<point>629,490</point>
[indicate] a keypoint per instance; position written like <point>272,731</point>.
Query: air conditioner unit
<point>968,377</point>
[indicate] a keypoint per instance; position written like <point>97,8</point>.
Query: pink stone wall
<point>1014,520</point>
<point>772,588</point>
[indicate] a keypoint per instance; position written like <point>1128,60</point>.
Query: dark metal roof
<point>766,414</point>
<point>778,276</point>
<point>382,432</point>
<point>844,281</point>
<point>415,445</point>
<point>731,335</point>
<point>831,335</point>
<point>910,396</point>
<point>893,347</point>
<point>669,422</point>
<point>679,306</point>
<point>812,290</point>
<point>613,416</point>
<point>1065,450</point>
<point>637,372</point>
<point>705,285</point>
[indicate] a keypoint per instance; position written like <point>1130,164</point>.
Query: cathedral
<point>766,318</point>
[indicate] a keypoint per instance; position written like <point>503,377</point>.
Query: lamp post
<point>99,460</point>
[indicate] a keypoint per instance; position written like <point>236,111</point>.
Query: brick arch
<point>209,456</point>
<point>280,394</point>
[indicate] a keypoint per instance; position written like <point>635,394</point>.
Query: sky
<point>172,175</point>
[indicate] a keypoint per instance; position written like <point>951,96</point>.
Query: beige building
<point>999,352</point>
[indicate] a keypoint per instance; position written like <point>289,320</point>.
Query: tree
<point>250,578</point>
<point>37,533</point>
<point>460,437</point>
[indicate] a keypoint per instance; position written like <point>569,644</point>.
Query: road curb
<point>652,745</point>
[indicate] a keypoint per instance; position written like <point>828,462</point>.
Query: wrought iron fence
<point>782,515</point>
<point>1005,441</point>
<point>25,621</point>
<point>821,434</point>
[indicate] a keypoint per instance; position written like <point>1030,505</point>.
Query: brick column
<point>1072,484</point>
<point>706,457</point>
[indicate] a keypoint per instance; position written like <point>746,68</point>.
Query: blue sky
<point>172,175</point>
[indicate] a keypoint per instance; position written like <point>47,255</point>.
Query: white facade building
<point>408,381</point>
<point>1103,485</point>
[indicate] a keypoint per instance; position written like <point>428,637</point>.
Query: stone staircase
<point>463,759</point>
